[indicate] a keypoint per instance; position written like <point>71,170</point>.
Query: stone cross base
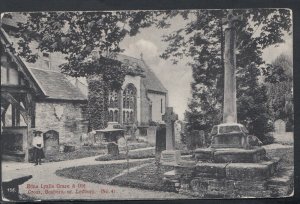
<point>170,157</point>
<point>233,155</point>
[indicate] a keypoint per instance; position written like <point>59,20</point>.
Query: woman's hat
<point>35,131</point>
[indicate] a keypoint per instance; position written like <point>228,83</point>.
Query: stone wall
<point>64,117</point>
<point>157,100</point>
<point>145,105</point>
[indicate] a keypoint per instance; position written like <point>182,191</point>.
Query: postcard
<point>147,104</point>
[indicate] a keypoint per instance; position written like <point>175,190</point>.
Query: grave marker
<point>201,139</point>
<point>178,130</point>
<point>170,117</point>
<point>170,156</point>
<point>279,126</point>
<point>160,141</point>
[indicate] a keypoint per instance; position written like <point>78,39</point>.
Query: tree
<point>279,83</point>
<point>252,107</point>
<point>202,40</point>
<point>77,35</point>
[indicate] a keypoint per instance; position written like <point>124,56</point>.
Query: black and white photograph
<point>147,104</point>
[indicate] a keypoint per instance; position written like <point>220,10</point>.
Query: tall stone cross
<point>229,111</point>
<point>170,117</point>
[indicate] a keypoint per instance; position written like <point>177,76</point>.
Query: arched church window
<point>113,100</point>
<point>129,104</point>
<point>111,115</point>
<point>116,116</point>
<point>113,107</point>
<point>131,117</point>
<point>127,117</point>
<point>110,101</point>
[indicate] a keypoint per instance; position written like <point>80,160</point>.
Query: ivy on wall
<point>97,102</point>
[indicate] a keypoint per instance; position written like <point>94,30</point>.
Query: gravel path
<point>49,186</point>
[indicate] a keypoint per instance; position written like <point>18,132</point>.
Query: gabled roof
<point>150,81</point>
<point>6,43</point>
<point>52,85</point>
<point>56,85</point>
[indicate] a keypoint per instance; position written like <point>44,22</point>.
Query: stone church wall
<point>158,105</point>
<point>64,117</point>
<point>145,105</point>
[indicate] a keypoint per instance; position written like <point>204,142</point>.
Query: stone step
<point>282,183</point>
<point>251,171</point>
<point>224,188</point>
<point>237,171</point>
<point>211,169</point>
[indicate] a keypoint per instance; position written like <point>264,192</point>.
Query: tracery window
<point>129,104</point>
<point>113,107</point>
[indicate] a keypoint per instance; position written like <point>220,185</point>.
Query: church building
<point>37,96</point>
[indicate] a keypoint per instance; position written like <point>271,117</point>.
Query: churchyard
<point>198,173</point>
<point>226,163</point>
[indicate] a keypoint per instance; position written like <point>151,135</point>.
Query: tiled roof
<point>56,85</point>
<point>150,81</point>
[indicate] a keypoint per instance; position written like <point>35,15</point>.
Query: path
<point>45,175</point>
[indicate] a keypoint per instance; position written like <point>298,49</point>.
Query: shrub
<point>153,123</point>
<point>268,138</point>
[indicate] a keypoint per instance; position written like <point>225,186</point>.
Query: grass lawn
<point>89,151</point>
<point>143,154</point>
<point>148,153</point>
<point>148,177</point>
<point>97,173</point>
<point>82,152</point>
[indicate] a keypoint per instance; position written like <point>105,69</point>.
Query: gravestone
<point>51,142</point>
<point>196,139</point>
<point>133,132</point>
<point>151,135</point>
<point>160,144</point>
<point>170,156</point>
<point>279,126</point>
<point>112,149</point>
<point>85,139</point>
<point>178,130</point>
<point>200,141</point>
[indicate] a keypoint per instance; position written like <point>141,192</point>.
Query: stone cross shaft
<point>170,117</point>
<point>229,111</point>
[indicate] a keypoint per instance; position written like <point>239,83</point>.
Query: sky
<point>177,78</point>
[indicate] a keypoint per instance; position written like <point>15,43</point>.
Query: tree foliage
<point>202,40</point>
<point>77,35</point>
<point>279,84</point>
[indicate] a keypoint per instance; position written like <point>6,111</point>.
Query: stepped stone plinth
<point>229,135</point>
<point>230,168</point>
<point>239,155</point>
<point>233,140</point>
<point>230,155</point>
